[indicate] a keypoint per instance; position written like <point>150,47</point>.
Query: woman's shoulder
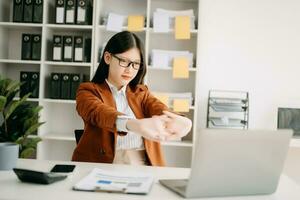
<point>139,88</point>
<point>89,85</point>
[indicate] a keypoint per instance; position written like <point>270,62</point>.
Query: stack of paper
<point>113,181</point>
<point>115,22</point>
<point>170,98</point>
<point>164,58</point>
<point>164,20</point>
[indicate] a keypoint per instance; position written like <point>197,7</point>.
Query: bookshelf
<point>58,141</point>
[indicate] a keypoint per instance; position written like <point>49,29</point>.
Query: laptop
<point>234,163</point>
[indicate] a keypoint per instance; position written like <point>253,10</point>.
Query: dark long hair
<point>119,43</point>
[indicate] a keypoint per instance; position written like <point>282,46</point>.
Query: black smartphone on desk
<point>63,168</point>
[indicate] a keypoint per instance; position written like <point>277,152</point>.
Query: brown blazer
<point>96,105</point>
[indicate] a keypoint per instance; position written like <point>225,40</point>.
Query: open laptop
<point>234,162</point>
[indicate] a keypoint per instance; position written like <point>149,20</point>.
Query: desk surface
<point>12,188</point>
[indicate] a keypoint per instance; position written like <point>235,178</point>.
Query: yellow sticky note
<point>181,105</point>
<point>182,27</point>
<point>163,98</point>
<point>180,67</point>
<point>135,23</point>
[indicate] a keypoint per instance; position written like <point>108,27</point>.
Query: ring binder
<point>34,84</point>
<point>78,49</point>
<point>60,11</point>
<point>18,11</point>
<point>84,12</point>
<point>37,11</point>
<point>36,47</point>
<point>25,79</point>
<point>68,45</point>
<point>65,86</point>
<point>57,48</point>
<point>26,47</point>
<point>28,10</point>
<point>55,85</point>
<point>70,12</point>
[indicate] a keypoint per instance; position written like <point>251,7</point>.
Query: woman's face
<point>120,73</point>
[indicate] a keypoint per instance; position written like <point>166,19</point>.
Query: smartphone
<point>63,168</point>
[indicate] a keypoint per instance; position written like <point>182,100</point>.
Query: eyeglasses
<point>126,63</point>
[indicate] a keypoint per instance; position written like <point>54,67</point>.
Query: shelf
<point>64,137</point>
<point>168,69</point>
<point>178,143</point>
<point>28,99</point>
<point>69,26</point>
<point>20,25</point>
<point>81,64</point>
<point>124,28</point>
<point>295,142</point>
<point>14,61</point>
<point>70,101</point>
<point>172,31</point>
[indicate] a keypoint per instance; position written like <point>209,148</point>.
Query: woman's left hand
<point>177,125</point>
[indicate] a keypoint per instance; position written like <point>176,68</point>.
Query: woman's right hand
<point>150,128</point>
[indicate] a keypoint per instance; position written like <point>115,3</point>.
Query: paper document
<point>115,22</point>
<point>135,22</point>
<point>181,67</point>
<point>113,181</point>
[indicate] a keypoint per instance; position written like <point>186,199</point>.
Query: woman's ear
<point>107,57</point>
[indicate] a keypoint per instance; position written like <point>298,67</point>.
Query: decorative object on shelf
<point>289,118</point>
<point>19,119</point>
<point>227,109</point>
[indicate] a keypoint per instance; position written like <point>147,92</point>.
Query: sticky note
<point>135,22</point>
<point>182,27</point>
<point>181,105</point>
<point>163,98</point>
<point>180,67</point>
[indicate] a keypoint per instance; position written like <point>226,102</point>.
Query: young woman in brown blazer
<point>123,122</point>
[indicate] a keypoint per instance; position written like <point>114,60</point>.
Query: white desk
<point>12,188</point>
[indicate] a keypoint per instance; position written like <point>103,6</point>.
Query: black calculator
<point>32,176</point>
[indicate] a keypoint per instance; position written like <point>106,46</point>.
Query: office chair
<point>78,133</point>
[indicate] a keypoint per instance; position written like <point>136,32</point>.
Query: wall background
<point>251,45</point>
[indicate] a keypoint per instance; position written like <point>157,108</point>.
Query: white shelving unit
<point>60,115</point>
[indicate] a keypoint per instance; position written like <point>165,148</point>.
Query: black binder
<point>75,82</point>
<point>34,84</point>
<point>84,12</point>
<point>65,86</point>
<point>36,47</point>
<point>28,11</point>
<point>26,47</point>
<point>68,45</point>
<point>25,79</point>
<point>18,11</point>
<point>87,49</point>
<point>70,12</point>
<point>37,11</point>
<point>57,48</point>
<point>55,83</point>
<point>78,49</point>
<point>60,11</point>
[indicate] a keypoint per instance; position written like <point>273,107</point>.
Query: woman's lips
<point>126,77</point>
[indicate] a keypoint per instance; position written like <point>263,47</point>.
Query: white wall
<point>251,45</point>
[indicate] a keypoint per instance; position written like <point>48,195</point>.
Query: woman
<point>123,122</point>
